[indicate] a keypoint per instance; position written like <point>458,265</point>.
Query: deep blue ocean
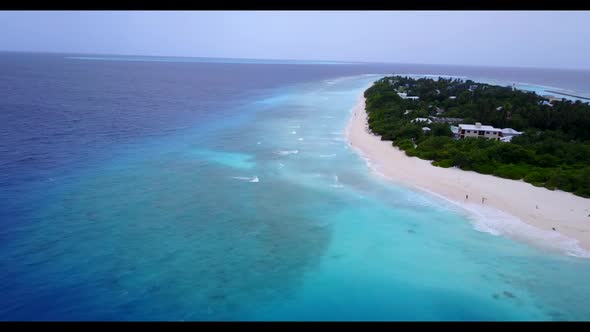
<point>139,188</point>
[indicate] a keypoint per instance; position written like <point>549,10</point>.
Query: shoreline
<point>512,208</point>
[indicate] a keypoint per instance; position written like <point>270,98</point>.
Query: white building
<point>425,129</point>
<point>479,130</point>
<point>416,120</point>
<point>453,97</point>
<point>489,132</point>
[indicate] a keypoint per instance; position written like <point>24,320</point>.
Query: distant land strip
<point>567,94</point>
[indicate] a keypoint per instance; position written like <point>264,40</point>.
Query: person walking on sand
<point>466,196</point>
<point>483,200</point>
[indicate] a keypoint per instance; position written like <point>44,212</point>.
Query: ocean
<point>140,188</point>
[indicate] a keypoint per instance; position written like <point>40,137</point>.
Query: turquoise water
<point>271,216</point>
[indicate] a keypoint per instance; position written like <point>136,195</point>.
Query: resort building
<point>479,130</point>
<point>489,132</point>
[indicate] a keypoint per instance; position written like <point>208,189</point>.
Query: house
<point>499,109</point>
<point>479,130</point>
<point>413,97</point>
<point>546,103</point>
<point>408,112</point>
<point>425,129</point>
<point>422,120</point>
<point>453,97</point>
<point>472,87</point>
<point>489,132</point>
<point>439,111</point>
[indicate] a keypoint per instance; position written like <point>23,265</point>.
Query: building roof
<point>481,127</point>
<point>422,120</point>
<point>510,131</point>
<point>425,129</point>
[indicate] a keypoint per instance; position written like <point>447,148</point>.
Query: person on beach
<point>483,200</point>
<point>466,196</point>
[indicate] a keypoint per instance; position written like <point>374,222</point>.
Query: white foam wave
<point>287,152</point>
<point>499,223</point>
<point>300,139</point>
<point>247,178</point>
<point>496,222</point>
<point>327,155</point>
<point>293,132</point>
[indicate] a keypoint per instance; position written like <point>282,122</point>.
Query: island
<point>485,128</point>
<point>517,163</point>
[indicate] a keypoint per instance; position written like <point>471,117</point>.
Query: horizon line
<point>302,60</point>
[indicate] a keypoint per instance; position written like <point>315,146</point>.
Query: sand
<point>512,208</point>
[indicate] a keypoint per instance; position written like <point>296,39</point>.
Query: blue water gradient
<point>175,191</point>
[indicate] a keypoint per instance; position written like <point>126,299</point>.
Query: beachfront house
<point>489,132</point>
<point>479,130</point>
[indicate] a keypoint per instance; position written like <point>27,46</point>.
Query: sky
<point>552,39</point>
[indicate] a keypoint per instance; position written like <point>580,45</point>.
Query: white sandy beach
<point>510,207</point>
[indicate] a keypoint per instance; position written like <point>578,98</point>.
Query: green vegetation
<point>553,152</point>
